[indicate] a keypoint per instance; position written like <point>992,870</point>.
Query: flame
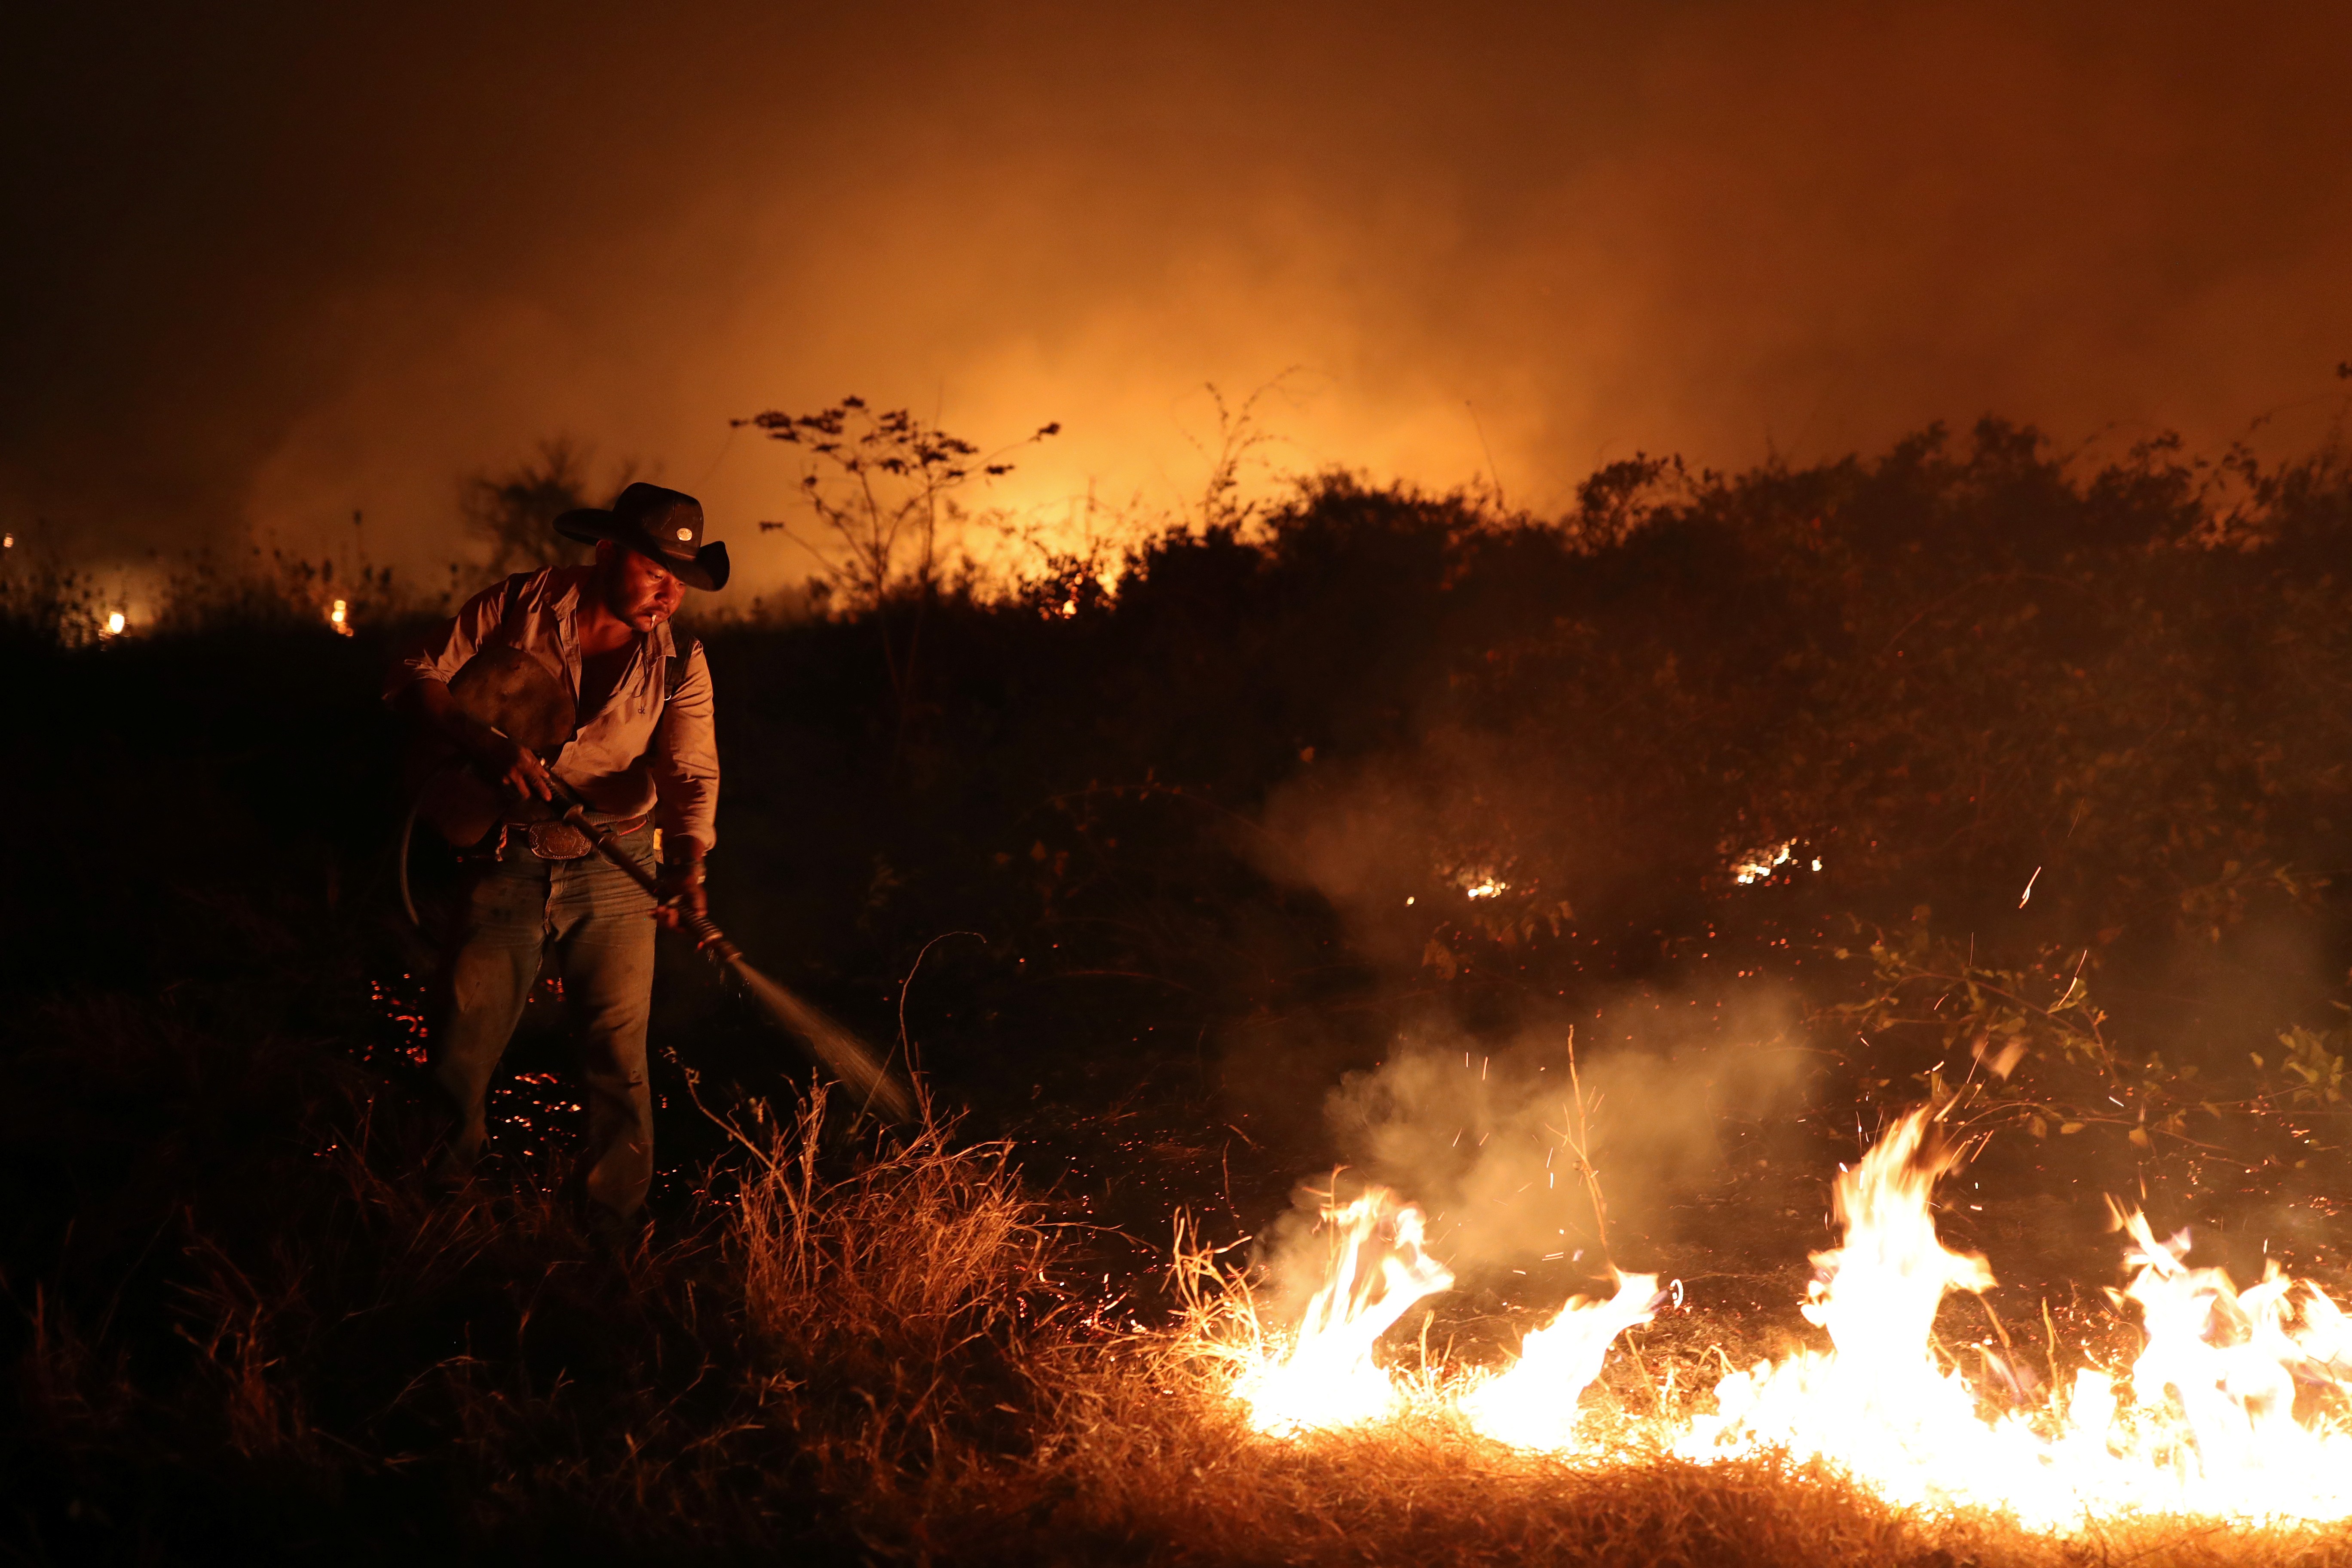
<point>1876,1402</point>
<point>2234,1408</point>
<point>1326,1375</point>
<point>2203,1423</point>
<point>1533,1404</point>
<point>1753,866</point>
<point>338,617</point>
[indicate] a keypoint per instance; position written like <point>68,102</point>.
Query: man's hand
<point>501,760</point>
<point>510,765</point>
<point>680,882</point>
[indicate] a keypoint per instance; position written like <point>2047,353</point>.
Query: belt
<point>552,840</point>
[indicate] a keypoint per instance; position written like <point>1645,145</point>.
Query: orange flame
<point>2203,1424</point>
<point>1326,1375</point>
<point>1533,1404</point>
<point>2206,1422</point>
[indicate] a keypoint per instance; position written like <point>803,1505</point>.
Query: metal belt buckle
<point>558,841</point>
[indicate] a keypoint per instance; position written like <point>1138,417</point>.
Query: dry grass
<point>1147,1460</point>
<point>1167,1474</point>
<point>855,1352</point>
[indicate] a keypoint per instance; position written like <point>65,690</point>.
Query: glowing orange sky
<point>306,264</point>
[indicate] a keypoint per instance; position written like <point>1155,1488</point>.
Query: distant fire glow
<point>339,618</point>
<point>114,623</point>
<point>1755,864</point>
<point>1481,882</point>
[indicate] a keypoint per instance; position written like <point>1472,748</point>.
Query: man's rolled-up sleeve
<point>685,759</point>
<point>452,643</point>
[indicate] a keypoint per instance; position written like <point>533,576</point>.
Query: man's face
<point>639,590</point>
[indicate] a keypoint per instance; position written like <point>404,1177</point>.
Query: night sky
<point>271,264</point>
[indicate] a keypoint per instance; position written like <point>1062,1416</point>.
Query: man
<point>642,758</point>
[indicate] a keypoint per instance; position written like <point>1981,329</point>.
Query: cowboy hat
<point>662,525</point>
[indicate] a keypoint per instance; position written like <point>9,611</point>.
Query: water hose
<point>835,1049</point>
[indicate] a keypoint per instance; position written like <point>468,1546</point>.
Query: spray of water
<point>840,1052</point>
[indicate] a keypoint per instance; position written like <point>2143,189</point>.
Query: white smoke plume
<point>1537,1151</point>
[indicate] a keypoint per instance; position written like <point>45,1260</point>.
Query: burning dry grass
<point>856,1351</point>
<point>1142,1467</point>
<point>2209,1431</point>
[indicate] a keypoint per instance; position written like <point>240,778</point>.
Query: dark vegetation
<point>1138,871</point>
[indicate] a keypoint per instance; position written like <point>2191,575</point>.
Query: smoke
<point>1550,1154</point>
<point>1539,1151</point>
<point>1496,832</point>
<point>1529,1134</point>
<point>1365,836</point>
<point>292,263</point>
<point>1532,1136</point>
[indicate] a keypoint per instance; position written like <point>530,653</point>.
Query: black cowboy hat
<point>661,525</point>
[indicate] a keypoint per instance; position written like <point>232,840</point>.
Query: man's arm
<point>505,762</point>
<point>420,687</point>
<point>684,759</point>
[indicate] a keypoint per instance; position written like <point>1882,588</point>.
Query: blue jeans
<point>601,927</point>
